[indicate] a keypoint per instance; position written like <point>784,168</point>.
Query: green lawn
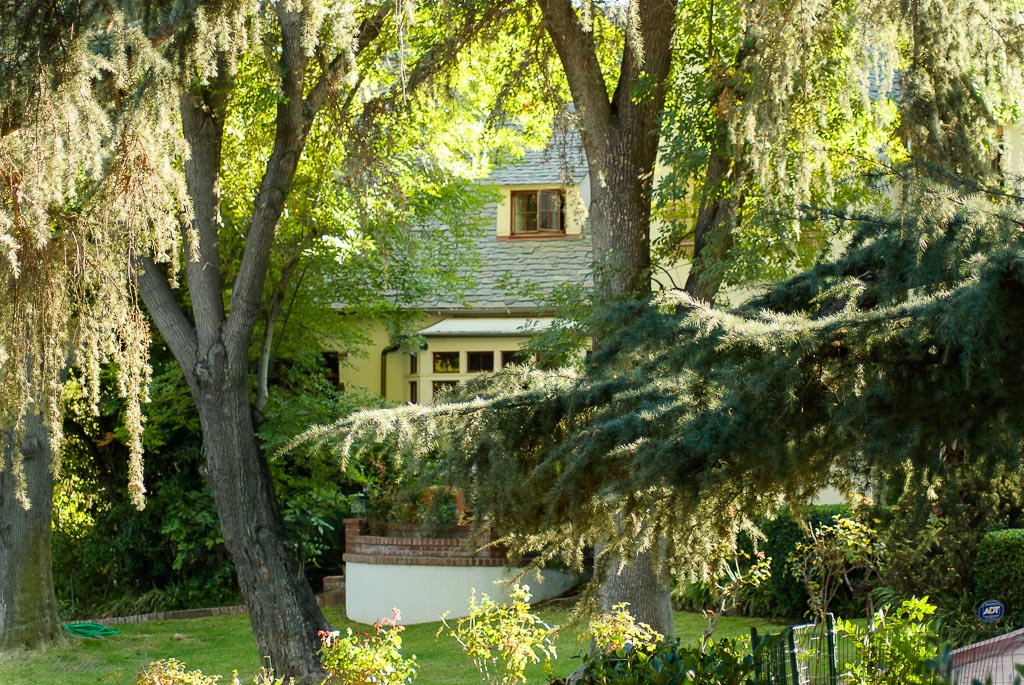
<point>217,645</point>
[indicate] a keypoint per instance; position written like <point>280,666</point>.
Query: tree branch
<point>202,122</point>
<point>289,140</point>
<point>175,328</point>
<point>578,54</point>
<point>369,30</point>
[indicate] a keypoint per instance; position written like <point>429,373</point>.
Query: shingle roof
<point>544,166</point>
<point>544,263</point>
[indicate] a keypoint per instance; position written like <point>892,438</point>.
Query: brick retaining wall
<point>402,546</point>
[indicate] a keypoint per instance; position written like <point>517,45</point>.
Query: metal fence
<point>809,654</point>
<point>818,654</point>
<point>992,661</point>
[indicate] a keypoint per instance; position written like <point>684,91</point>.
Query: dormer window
<point>538,213</point>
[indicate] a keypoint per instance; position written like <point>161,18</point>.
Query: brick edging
<point>168,615</point>
<point>418,560</point>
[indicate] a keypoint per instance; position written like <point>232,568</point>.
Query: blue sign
<point>991,611</point>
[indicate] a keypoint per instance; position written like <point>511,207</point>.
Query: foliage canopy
<point>898,351</point>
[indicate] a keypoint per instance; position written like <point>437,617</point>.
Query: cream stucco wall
<point>365,371</point>
<point>424,593</point>
<point>1013,152</point>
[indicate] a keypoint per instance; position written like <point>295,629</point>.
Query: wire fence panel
<point>810,654</point>
<point>992,661</point>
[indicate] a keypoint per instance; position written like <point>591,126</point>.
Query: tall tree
<point>81,180</point>
<point>600,447</point>
<point>781,105</point>
<point>106,191</point>
<point>312,72</point>
<point>619,116</point>
<point>28,606</point>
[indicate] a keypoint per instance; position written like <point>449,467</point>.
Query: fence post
<point>833,666</point>
<point>792,656</point>
<point>754,642</point>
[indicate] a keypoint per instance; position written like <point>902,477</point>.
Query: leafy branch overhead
<point>902,349</point>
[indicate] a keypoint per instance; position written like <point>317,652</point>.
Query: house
<point>537,236</point>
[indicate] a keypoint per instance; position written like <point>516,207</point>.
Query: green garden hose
<point>90,629</point>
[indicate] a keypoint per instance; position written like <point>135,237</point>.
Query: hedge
<point>999,570</point>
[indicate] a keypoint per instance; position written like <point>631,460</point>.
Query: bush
<point>935,528</point>
<point>172,672</point>
<point>502,640</point>
<point>375,658</point>
<point>842,554</point>
<point>899,647</point>
<point>999,570</point>
<point>716,662</point>
<point>781,593</point>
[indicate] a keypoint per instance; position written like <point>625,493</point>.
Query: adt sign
<point>991,611</point>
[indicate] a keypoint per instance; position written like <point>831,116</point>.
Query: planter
<point>425,577</point>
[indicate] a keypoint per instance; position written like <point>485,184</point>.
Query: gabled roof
<point>543,263</point>
<point>563,158</point>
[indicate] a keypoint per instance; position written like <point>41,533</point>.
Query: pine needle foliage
<point>697,419</point>
<point>86,180</point>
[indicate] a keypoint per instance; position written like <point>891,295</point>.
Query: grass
<point>219,644</point>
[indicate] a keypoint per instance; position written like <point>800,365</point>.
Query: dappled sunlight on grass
<point>219,644</point>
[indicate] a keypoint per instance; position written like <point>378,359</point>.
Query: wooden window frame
<point>538,232</point>
<point>481,356</point>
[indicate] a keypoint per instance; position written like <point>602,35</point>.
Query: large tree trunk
<point>620,135</point>
<point>283,612</point>
<point>28,605</point>
<point>620,217</point>
<point>213,353</point>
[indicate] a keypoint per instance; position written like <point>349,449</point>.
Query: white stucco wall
<point>423,593</point>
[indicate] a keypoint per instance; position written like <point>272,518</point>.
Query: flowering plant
<point>502,640</point>
<point>366,658</point>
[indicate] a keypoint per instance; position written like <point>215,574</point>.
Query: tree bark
<point>29,617</point>
<point>620,135</point>
<point>213,353</point>
<point>712,235</point>
<point>283,612</point>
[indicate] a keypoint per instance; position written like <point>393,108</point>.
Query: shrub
<point>502,640</point>
<point>835,555</point>
<point>617,630</point>
<point>938,522</point>
<point>375,658</point>
<point>172,672</point>
<point>899,647</point>
<point>715,662</point>
<point>999,570</point>
<point>780,593</point>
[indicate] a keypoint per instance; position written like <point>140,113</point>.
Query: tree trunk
<point>712,235</point>
<point>283,612</point>
<point>620,220</point>
<point>620,213</point>
<point>28,606</point>
<point>620,135</point>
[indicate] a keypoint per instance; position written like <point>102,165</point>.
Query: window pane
<point>513,357</point>
<point>441,386</point>
<point>550,210</point>
<point>524,212</point>
<point>480,361</point>
<point>446,362</point>
<point>414,391</point>
<point>414,363</point>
